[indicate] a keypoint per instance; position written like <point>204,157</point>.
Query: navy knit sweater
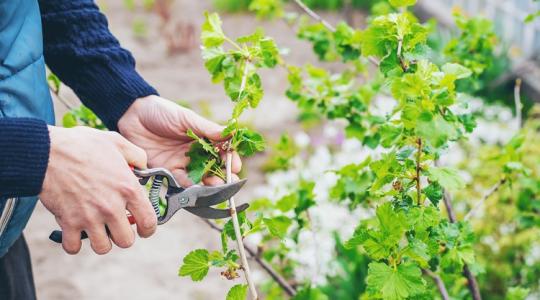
<point>82,52</point>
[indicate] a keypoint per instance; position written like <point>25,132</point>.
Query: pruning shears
<point>196,199</point>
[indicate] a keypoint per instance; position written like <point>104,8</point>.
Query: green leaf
<point>287,202</point>
<point>447,177</point>
<point>269,52</point>
<point>517,293</point>
<point>392,284</point>
<point>196,265</point>
<point>418,251</point>
<point>243,222</point>
<point>212,35</point>
<point>436,131</point>
<point>69,120</point>
<point>198,158</point>
<point>389,134</point>
<point>55,82</point>
<point>249,142</point>
<point>402,3</point>
<point>457,70</point>
<point>237,292</point>
<point>278,226</point>
<point>434,192</point>
<point>310,293</point>
<point>207,146</point>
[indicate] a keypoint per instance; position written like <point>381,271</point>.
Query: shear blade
<point>212,195</point>
<point>213,213</point>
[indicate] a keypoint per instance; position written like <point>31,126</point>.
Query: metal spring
<point>155,189</point>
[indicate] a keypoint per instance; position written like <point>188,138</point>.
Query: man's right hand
<point>89,184</point>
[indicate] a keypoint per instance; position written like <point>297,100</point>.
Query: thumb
<point>203,127</point>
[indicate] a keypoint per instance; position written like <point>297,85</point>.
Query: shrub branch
<point>439,282</point>
<point>282,282</point>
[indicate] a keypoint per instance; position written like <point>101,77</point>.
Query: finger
<point>99,240</point>
<point>121,232</point>
<point>236,163</point>
<point>133,155</point>
<point>182,178</point>
<point>141,209</point>
<point>203,127</point>
<point>71,240</point>
<point>215,180</point>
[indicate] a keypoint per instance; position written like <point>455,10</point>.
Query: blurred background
<point>163,36</point>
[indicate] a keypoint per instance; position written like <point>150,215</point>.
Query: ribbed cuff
<point>24,156</point>
<point>110,88</point>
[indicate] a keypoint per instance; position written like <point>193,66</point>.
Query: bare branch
<point>438,281</point>
<point>517,101</point>
<point>314,15</point>
<point>480,203</point>
<point>282,282</point>
<point>238,233</point>
<point>471,280</point>
<point>60,98</point>
<point>418,169</point>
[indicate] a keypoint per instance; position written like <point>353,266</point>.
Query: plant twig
<point>438,281</point>
<point>471,280</point>
<point>472,283</point>
<point>282,282</point>
<point>326,24</point>
<point>314,15</point>
<point>517,101</point>
<point>479,204</point>
<point>60,98</point>
<point>238,234</point>
<point>402,63</point>
<point>418,169</point>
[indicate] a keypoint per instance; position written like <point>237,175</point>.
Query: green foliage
<point>281,155</point>
<point>399,282</point>
<point>237,69</point>
<point>475,48</point>
<point>406,230</point>
<point>82,116</point>
<point>196,265</point>
<point>237,292</point>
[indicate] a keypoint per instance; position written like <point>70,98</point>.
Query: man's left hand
<point>159,127</point>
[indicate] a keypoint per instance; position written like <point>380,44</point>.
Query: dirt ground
<point>148,270</point>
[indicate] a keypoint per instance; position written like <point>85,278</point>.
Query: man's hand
<point>159,127</point>
<point>88,184</point>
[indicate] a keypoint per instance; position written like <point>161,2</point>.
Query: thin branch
<point>447,198</point>
<point>439,282</point>
<point>238,233</point>
<point>471,280</point>
<point>518,103</point>
<point>282,282</point>
<point>326,24</point>
<point>402,63</point>
<point>56,93</point>
<point>418,169</point>
<point>314,15</point>
<point>472,283</point>
<point>480,203</point>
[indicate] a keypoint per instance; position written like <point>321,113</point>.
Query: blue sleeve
<point>82,52</point>
<point>24,156</point>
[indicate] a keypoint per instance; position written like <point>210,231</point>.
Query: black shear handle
<point>56,236</point>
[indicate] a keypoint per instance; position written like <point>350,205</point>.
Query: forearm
<point>24,155</point>
<point>82,52</point>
